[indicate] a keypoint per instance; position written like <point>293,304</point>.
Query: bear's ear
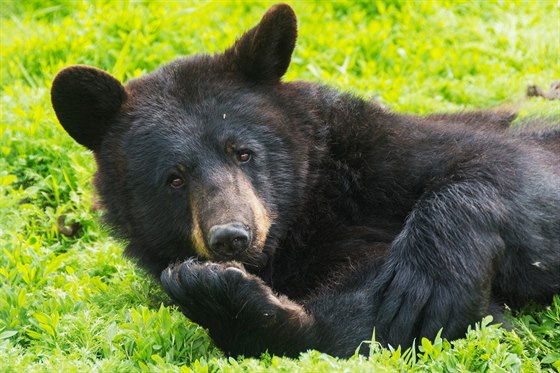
<point>85,99</point>
<point>264,52</point>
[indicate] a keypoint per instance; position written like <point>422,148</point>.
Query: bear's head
<point>204,157</point>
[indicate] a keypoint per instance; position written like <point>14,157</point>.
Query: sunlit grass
<point>74,304</point>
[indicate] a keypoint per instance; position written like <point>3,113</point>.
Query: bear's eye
<point>175,182</point>
<point>244,155</point>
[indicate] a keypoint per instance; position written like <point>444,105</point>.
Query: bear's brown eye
<point>176,182</point>
<point>244,156</point>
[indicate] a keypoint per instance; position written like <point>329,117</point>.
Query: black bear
<point>289,216</point>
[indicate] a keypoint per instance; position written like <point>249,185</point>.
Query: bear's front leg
<point>241,313</point>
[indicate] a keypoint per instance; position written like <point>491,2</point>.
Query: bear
<point>287,216</point>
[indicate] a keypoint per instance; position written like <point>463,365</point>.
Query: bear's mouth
<point>247,256</point>
<point>253,256</point>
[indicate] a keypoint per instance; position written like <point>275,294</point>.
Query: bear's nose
<point>229,238</point>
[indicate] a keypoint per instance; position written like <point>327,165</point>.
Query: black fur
<point>371,218</point>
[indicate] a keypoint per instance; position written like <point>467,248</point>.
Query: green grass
<point>74,304</point>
